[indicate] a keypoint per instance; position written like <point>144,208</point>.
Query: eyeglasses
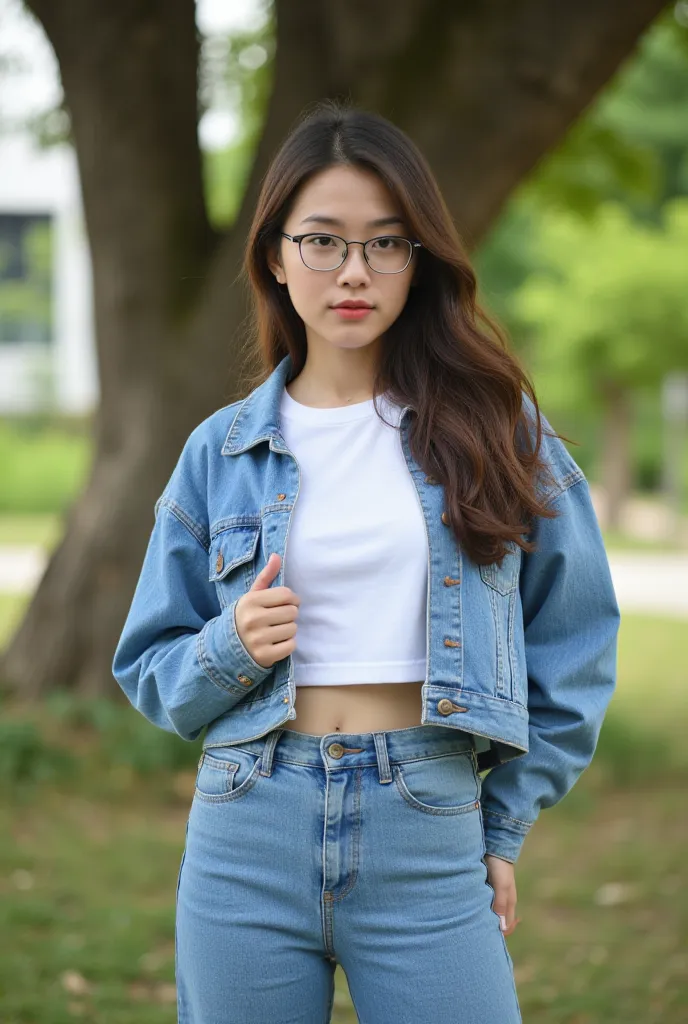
<point>385,254</point>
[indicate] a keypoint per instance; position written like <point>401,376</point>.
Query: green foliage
<point>631,145</point>
<point>586,265</point>
<point>611,305</point>
<point>652,757</point>
<point>242,67</point>
<point>25,757</point>
<point>123,735</point>
<point>44,465</point>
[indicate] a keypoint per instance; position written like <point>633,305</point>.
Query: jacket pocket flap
<point>503,577</point>
<point>231,548</point>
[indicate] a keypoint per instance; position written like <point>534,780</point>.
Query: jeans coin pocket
<point>226,773</point>
<point>442,784</point>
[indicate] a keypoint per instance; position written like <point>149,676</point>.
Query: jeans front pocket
<point>228,773</point>
<point>440,784</point>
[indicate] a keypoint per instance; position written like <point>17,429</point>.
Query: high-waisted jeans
<point>363,849</point>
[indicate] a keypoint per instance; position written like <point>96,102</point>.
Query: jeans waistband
<point>356,750</point>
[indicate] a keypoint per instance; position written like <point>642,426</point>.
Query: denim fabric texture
<point>365,850</point>
<point>521,655</point>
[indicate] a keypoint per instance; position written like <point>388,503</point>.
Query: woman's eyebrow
<point>381,222</point>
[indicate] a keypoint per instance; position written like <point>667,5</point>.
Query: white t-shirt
<point>357,548</point>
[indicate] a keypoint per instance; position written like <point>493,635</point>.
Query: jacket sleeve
<point>179,658</point>
<point>571,619</point>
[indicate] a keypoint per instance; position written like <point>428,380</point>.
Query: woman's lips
<point>352,312</point>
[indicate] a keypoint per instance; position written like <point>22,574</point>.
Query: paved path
<point>643,582</point>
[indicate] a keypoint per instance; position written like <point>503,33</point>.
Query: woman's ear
<point>275,265</point>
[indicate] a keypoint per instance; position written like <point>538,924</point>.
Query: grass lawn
<point>89,863</point>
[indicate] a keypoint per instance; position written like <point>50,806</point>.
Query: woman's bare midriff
<point>361,707</point>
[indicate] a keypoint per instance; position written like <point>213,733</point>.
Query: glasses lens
<point>388,255</point>
<point>322,252</point>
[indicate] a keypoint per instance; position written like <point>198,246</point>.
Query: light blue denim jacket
<point>521,655</point>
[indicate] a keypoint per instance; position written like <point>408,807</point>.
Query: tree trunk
<point>617,473</point>
<point>485,89</point>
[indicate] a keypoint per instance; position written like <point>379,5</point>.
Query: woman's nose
<point>354,266</point>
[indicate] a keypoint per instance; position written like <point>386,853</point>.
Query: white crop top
<point>357,549</point>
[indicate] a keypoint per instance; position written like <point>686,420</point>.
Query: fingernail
<point>502,921</point>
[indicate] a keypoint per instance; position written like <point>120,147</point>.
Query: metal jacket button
<point>445,519</point>
<point>448,707</point>
<point>219,563</point>
<point>245,680</point>
<point>335,750</point>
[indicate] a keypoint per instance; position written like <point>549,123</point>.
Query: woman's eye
<point>388,242</point>
<point>315,240</point>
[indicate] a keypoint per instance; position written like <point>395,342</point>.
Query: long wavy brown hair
<point>443,356</point>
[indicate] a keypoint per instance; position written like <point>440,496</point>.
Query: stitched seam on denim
<point>233,794</point>
<point>574,476</point>
<point>355,837</point>
<point>511,647</point>
<point>432,757</point>
<point>507,817</point>
<point>206,665</point>
<point>465,692</point>
<point>185,519</point>
<point>228,523</point>
<point>418,805</point>
<point>496,617</point>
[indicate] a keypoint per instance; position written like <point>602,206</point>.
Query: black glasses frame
<point>327,234</point>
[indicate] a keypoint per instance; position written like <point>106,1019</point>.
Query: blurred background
<point>132,143</point>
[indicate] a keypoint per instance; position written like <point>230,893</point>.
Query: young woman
<point>446,608</point>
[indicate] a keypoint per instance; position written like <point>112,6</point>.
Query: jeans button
<point>335,750</point>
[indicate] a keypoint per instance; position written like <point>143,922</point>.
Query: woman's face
<point>356,205</point>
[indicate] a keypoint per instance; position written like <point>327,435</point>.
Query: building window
<point>26,299</point>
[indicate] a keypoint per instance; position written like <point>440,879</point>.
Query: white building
<point>51,365</point>
<point>47,347</point>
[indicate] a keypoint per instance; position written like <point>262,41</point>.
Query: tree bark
<point>485,89</point>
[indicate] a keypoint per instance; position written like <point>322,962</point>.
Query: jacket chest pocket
<point>503,577</point>
<point>232,565</point>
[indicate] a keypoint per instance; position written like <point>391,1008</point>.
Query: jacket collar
<point>258,416</point>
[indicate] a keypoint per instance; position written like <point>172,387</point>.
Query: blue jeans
<point>363,849</point>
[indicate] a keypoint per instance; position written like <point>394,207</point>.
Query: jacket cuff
<point>503,835</point>
<point>223,657</point>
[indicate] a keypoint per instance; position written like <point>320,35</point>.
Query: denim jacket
<point>520,654</point>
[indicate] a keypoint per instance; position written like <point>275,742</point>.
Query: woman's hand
<point>265,617</point>
<point>501,876</point>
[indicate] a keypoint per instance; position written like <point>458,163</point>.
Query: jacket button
<point>445,519</point>
<point>449,581</point>
<point>245,680</point>
<point>430,479</point>
<point>219,563</point>
<point>281,497</point>
<point>445,706</point>
<point>335,750</point>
